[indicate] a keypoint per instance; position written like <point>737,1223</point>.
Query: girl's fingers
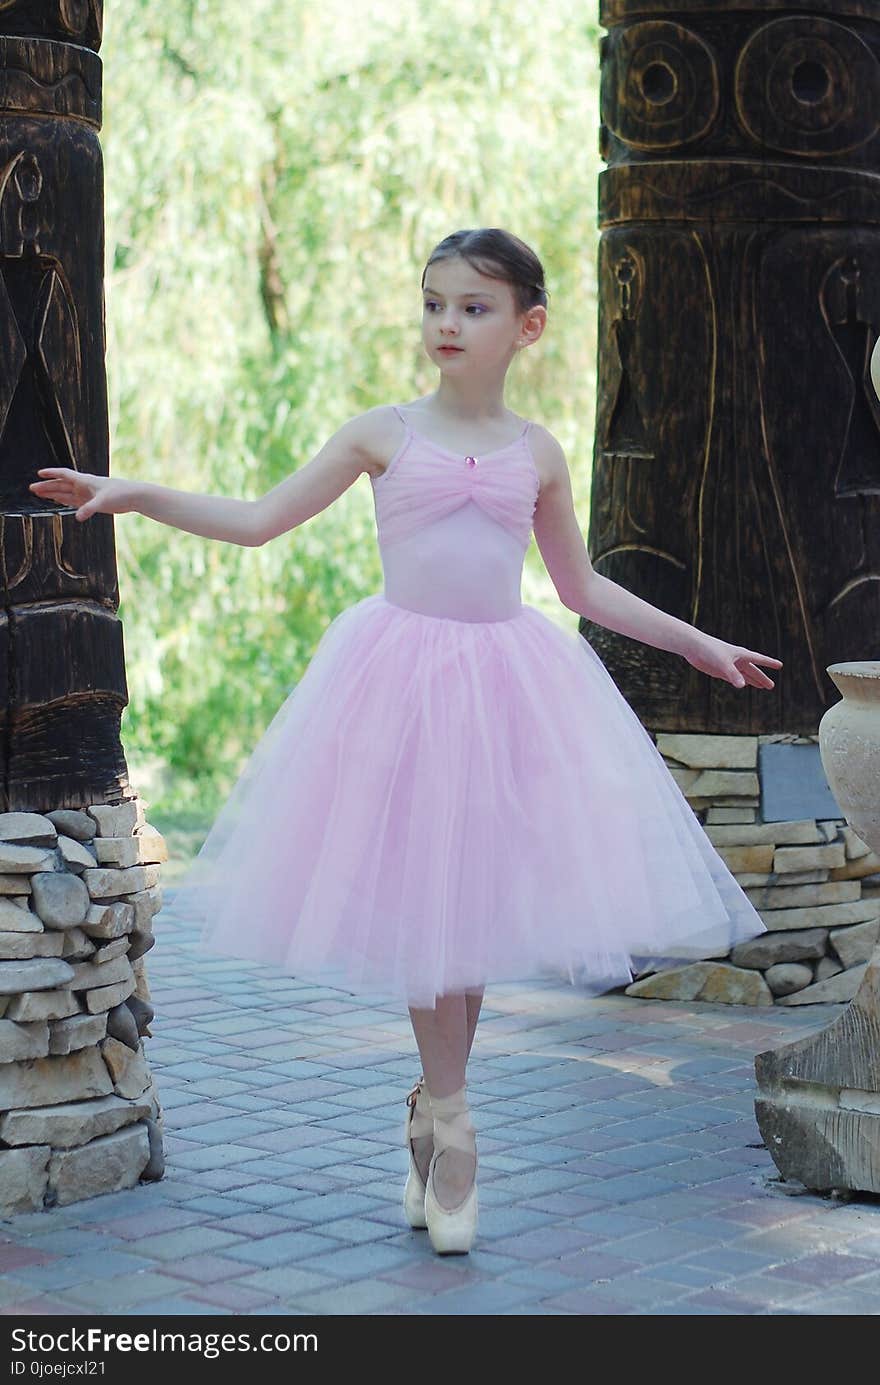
<point>760,680</point>
<point>741,666</point>
<point>754,659</point>
<point>758,658</point>
<point>64,486</point>
<point>750,674</point>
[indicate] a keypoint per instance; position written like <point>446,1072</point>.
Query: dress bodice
<point>453,529</point>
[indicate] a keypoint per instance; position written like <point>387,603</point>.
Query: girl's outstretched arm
<point>597,598</point>
<point>249,523</point>
<point>212,516</point>
<point>352,449</point>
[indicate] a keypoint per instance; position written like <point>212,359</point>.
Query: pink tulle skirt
<point>442,803</point>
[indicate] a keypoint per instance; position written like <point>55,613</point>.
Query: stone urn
<point>818,1107</point>
<point>849,743</point>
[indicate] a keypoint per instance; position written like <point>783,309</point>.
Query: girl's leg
<point>444,1037</point>
<point>473,1001</point>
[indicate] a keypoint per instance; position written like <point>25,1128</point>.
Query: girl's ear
<point>533,324</point>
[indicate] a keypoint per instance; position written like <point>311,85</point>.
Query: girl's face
<point>469,320</point>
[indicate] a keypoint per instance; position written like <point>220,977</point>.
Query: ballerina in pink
<point>446,796</point>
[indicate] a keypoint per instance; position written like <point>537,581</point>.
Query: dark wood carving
<point>61,651</point>
<point>736,474</point>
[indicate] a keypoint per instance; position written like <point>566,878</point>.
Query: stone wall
<point>79,1112</point>
<point>815,884</point>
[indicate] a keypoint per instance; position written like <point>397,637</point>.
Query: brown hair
<point>500,254</point>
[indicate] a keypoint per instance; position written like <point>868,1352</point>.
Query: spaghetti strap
<point>413,433</point>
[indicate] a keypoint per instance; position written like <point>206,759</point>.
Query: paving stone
<point>225,1180</point>
<point>727,1262</point>
<point>357,1262</point>
<point>215,1205</point>
<point>686,1308</point>
<point>720,1300</point>
<point>589,1301</point>
<point>631,1189</point>
<point>711,1229</point>
<point>205,1269</point>
<point>541,1243</point>
<point>592,1266</point>
<point>251,1223</point>
<point>78,1269</point>
<point>647,1156</point>
<point>679,1272</point>
<point>282,1248</point>
<point>365,1296</point>
<point>848,1303</point>
<point>190,1240</point>
<point>568,1203</point>
<point>124,1293</point>
<point>694,1171</point>
<point>12,1291</point>
<point>230,1296</point>
<point>658,1247</point>
<point>783,1243</point>
<point>215,1157</point>
<point>356,1230</point>
<point>331,1205</point>
<point>285,1281</point>
<point>775,1292</point>
<point>69,1241</point>
<point>640,1291</point>
<point>226,1130</point>
<point>672,1207</point>
<point>478,1300</point>
<point>175,1306</point>
<point>830,1268</point>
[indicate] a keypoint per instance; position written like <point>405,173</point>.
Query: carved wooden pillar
<point>60,639</point>
<point>79,1113</point>
<point>736,477</point>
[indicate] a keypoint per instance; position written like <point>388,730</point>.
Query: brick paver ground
<point>620,1166</point>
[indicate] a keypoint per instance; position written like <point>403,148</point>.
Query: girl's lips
<point>450,349</point>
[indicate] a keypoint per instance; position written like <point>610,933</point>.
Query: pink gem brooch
<point>471,461</point>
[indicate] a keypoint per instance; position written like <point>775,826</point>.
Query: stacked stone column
<point>79,1111</point>
<point>814,882</point>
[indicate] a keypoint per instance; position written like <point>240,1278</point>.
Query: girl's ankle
<point>453,1126</point>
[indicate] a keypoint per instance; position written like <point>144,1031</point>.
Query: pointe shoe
<point>419,1121</point>
<point>451,1229</point>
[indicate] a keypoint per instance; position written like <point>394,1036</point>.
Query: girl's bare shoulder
<point>548,455</point>
<point>377,433</point>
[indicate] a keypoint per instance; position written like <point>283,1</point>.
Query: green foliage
<point>276,175</point>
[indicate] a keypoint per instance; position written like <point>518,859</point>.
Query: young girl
<point>456,791</point>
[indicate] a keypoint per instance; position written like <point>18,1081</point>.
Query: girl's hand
<point>733,662</point>
<point>90,494</point>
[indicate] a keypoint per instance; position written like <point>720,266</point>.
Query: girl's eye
<point>429,303</point>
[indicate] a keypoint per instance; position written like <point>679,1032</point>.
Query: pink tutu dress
<point>456,791</point>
